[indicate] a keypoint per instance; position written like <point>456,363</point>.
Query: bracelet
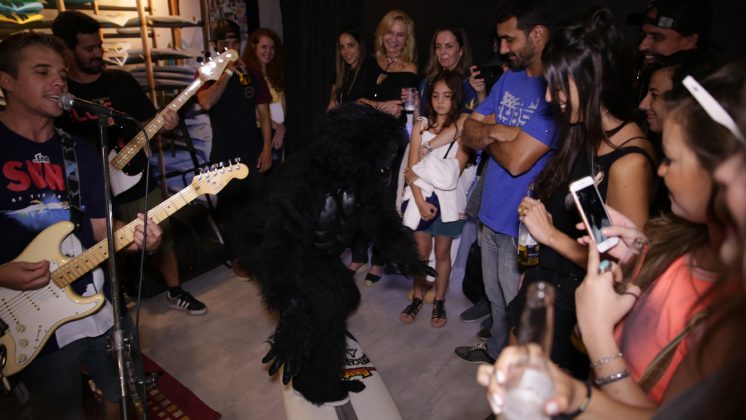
<point>426,145</point>
<point>605,360</point>
<point>229,72</point>
<point>584,405</point>
<point>618,376</point>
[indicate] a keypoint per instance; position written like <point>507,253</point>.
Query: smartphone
<point>592,210</point>
<point>490,74</point>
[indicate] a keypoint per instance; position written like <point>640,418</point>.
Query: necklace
<point>384,75</point>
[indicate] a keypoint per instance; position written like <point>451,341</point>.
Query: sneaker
<point>184,300</point>
<point>477,312</point>
<point>474,354</point>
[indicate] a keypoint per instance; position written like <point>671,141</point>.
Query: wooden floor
<point>218,355</point>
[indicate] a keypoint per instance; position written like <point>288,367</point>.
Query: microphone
<point>68,101</point>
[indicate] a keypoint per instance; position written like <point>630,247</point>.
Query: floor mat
<point>172,400</point>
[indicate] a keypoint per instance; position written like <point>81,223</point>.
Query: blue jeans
<point>501,276</point>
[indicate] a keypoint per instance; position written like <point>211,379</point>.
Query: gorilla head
<point>356,142</point>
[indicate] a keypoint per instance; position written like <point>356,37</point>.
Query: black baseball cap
<point>684,16</point>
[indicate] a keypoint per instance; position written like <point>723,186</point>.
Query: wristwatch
<point>426,145</point>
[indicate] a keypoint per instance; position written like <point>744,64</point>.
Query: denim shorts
<point>450,229</point>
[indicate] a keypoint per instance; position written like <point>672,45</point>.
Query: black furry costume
<point>317,202</point>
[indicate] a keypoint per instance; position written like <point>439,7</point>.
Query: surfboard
<point>373,403</point>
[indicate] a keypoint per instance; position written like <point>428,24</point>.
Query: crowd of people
<point>572,102</point>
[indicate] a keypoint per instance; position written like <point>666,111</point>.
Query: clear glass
<point>529,384</point>
<point>409,102</point>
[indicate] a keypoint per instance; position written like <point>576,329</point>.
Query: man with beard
<point>670,26</point>
<point>87,79</point>
<point>519,139</point>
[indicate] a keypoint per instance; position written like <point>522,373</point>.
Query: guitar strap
<point>72,178</point>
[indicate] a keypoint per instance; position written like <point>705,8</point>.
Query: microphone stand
<point>118,339</point>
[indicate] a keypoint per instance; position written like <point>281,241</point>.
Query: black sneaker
<point>474,354</point>
<point>184,300</point>
<point>477,312</point>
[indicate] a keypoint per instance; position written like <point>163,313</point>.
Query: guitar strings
<point>12,308</point>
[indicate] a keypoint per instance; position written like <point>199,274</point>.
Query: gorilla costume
<point>315,205</point>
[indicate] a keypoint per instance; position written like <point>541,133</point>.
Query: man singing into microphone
<point>88,80</point>
<point>36,191</point>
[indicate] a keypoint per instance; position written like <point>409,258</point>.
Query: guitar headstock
<point>212,180</point>
<point>214,68</point>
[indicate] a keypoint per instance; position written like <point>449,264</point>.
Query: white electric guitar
<point>122,179</point>
<point>29,318</point>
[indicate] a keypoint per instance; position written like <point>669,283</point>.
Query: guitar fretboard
<point>136,144</point>
<point>77,266</point>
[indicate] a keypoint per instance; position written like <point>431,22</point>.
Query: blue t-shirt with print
<point>34,196</point>
<point>517,100</point>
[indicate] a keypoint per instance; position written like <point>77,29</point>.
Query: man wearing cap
<point>670,26</point>
<point>234,102</point>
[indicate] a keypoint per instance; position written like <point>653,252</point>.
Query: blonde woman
<point>388,72</point>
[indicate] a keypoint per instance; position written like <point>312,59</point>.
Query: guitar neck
<point>136,144</point>
<point>77,266</point>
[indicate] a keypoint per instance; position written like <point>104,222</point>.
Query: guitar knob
<point>21,359</point>
<point>20,328</point>
<point>23,343</point>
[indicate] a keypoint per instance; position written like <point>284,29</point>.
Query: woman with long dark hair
<point>703,146</point>
<point>348,83</point>
<point>588,68</point>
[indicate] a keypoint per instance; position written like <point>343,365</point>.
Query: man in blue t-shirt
<point>34,194</point>
<point>516,127</point>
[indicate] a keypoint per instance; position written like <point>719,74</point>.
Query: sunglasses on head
<point>712,107</point>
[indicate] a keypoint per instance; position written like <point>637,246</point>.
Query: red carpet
<point>172,400</point>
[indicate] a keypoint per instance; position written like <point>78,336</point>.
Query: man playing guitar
<point>36,193</point>
<point>118,89</point>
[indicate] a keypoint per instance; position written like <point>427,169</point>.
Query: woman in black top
<point>392,65</point>
<point>391,69</point>
<point>587,67</point>
<point>348,84</point>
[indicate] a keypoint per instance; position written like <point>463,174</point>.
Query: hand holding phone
<point>593,212</point>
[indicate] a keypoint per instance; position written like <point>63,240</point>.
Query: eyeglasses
<point>712,107</point>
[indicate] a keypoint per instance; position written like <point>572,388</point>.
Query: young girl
<point>438,173</point>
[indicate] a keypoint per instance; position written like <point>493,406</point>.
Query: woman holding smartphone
<point>588,69</point>
<point>681,308</point>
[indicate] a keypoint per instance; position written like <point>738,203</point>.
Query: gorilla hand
<point>291,343</point>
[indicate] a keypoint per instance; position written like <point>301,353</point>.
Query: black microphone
<point>68,101</point>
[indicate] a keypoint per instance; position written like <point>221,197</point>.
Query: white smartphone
<point>591,208</point>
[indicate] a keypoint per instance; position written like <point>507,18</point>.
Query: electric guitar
<point>29,318</point>
<point>122,179</point>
